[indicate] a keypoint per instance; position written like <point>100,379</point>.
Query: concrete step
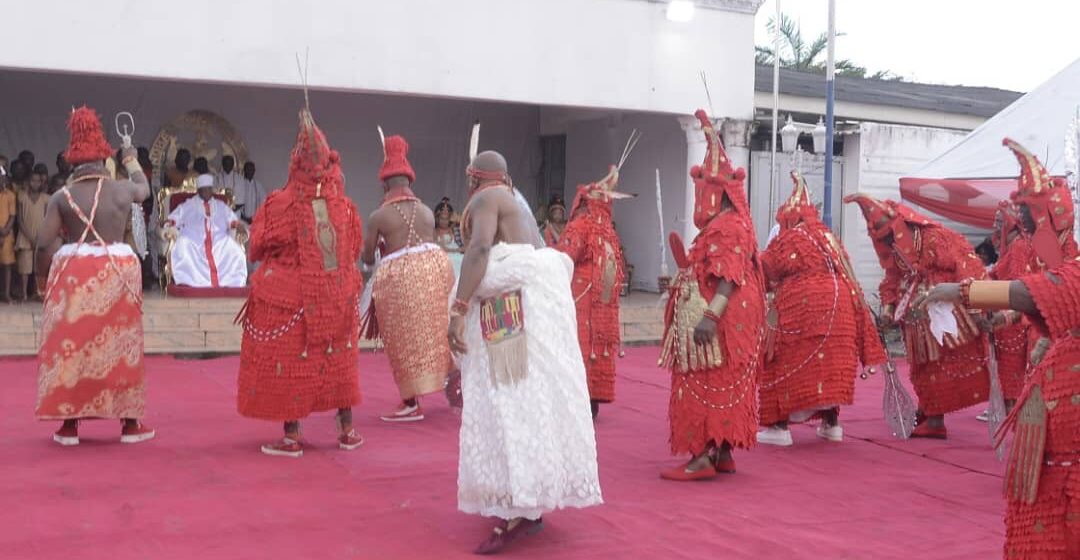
<point>197,326</point>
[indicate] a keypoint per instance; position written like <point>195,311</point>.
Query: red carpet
<point>202,491</point>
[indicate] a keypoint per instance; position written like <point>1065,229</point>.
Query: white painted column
<point>734,133</point>
<point>695,154</point>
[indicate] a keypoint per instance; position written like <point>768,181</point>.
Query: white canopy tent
<point>1037,120</point>
<point>965,183</point>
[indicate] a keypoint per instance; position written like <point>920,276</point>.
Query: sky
<point>1008,44</point>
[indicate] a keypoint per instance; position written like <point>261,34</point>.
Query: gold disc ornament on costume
<point>204,133</point>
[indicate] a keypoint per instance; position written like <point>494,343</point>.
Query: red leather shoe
<point>924,430</point>
<point>67,435</point>
<point>136,433</point>
<point>679,473</point>
<point>287,447</point>
<point>350,441</point>
<point>502,536</point>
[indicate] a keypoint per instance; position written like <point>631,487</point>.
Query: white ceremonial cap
<point>204,180</point>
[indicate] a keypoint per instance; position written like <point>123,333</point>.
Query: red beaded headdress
<point>1049,201</point>
<point>87,142</point>
<point>313,164</point>
<point>888,217</point>
<point>396,160</point>
<point>599,194</point>
<point>799,207</point>
<point>715,178</point>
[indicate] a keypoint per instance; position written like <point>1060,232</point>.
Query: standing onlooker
<point>228,178</point>
<point>31,205</point>
<point>21,171</point>
<point>249,193</point>
<point>27,157</point>
<point>7,234</point>
<point>63,168</point>
<point>20,175</point>
<point>175,177</point>
<point>43,170</point>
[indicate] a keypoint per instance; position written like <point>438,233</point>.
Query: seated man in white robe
<point>206,254</point>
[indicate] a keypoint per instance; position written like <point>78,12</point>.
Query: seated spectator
<point>205,253</point>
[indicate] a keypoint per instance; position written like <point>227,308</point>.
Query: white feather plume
<point>474,141</point>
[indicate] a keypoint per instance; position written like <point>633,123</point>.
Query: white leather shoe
<point>831,433</point>
<point>775,436</point>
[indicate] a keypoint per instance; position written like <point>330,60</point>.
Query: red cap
<point>87,142</point>
<point>396,160</point>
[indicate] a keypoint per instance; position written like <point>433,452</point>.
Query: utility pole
<point>830,126</point>
<point>775,107</point>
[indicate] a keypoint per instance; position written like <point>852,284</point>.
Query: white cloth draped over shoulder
<point>527,446</point>
<point>206,254</point>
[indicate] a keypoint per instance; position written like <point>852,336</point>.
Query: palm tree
<point>797,54</point>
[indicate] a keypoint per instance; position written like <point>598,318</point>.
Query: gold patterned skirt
<point>410,295</point>
<point>91,355</point>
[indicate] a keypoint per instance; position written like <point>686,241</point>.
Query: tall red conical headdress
<point>599,194</point>
<point>878,214</point>
<point>888,217</point>
<point>799,206</point>
<point>87,143</point>
<point>327,244</point>
<point>396,159</point>
<point>313,165</point>
<point>1049,201</point>
<point>716,178</point>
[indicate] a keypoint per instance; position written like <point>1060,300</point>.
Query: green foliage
<point>798,54</point>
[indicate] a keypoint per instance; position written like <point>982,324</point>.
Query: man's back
<point>515,225</point>
<point>113,210</point>
<point>391,222</point>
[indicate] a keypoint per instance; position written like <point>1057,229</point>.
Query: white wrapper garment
<point>527,444</point>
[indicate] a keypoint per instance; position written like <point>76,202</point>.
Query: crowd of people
<point>26,185</point>
<point>520,325</point>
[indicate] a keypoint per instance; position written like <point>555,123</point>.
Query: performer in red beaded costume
<point>1016,258</point>
<point>714,323</point>
<point>1042,482</point>
<point>823,329</point>
<point>592,243</point>
<point>918,253</point>
<point>299,351</point>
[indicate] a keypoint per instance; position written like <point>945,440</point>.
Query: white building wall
<point>594,144</point>
<point>876,157</point>
<point>619,54</point>
<point>36,107</point>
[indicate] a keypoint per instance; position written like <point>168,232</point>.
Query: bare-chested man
<point>527,441</point>
<point>91,356</point>
<point>411,287</point>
